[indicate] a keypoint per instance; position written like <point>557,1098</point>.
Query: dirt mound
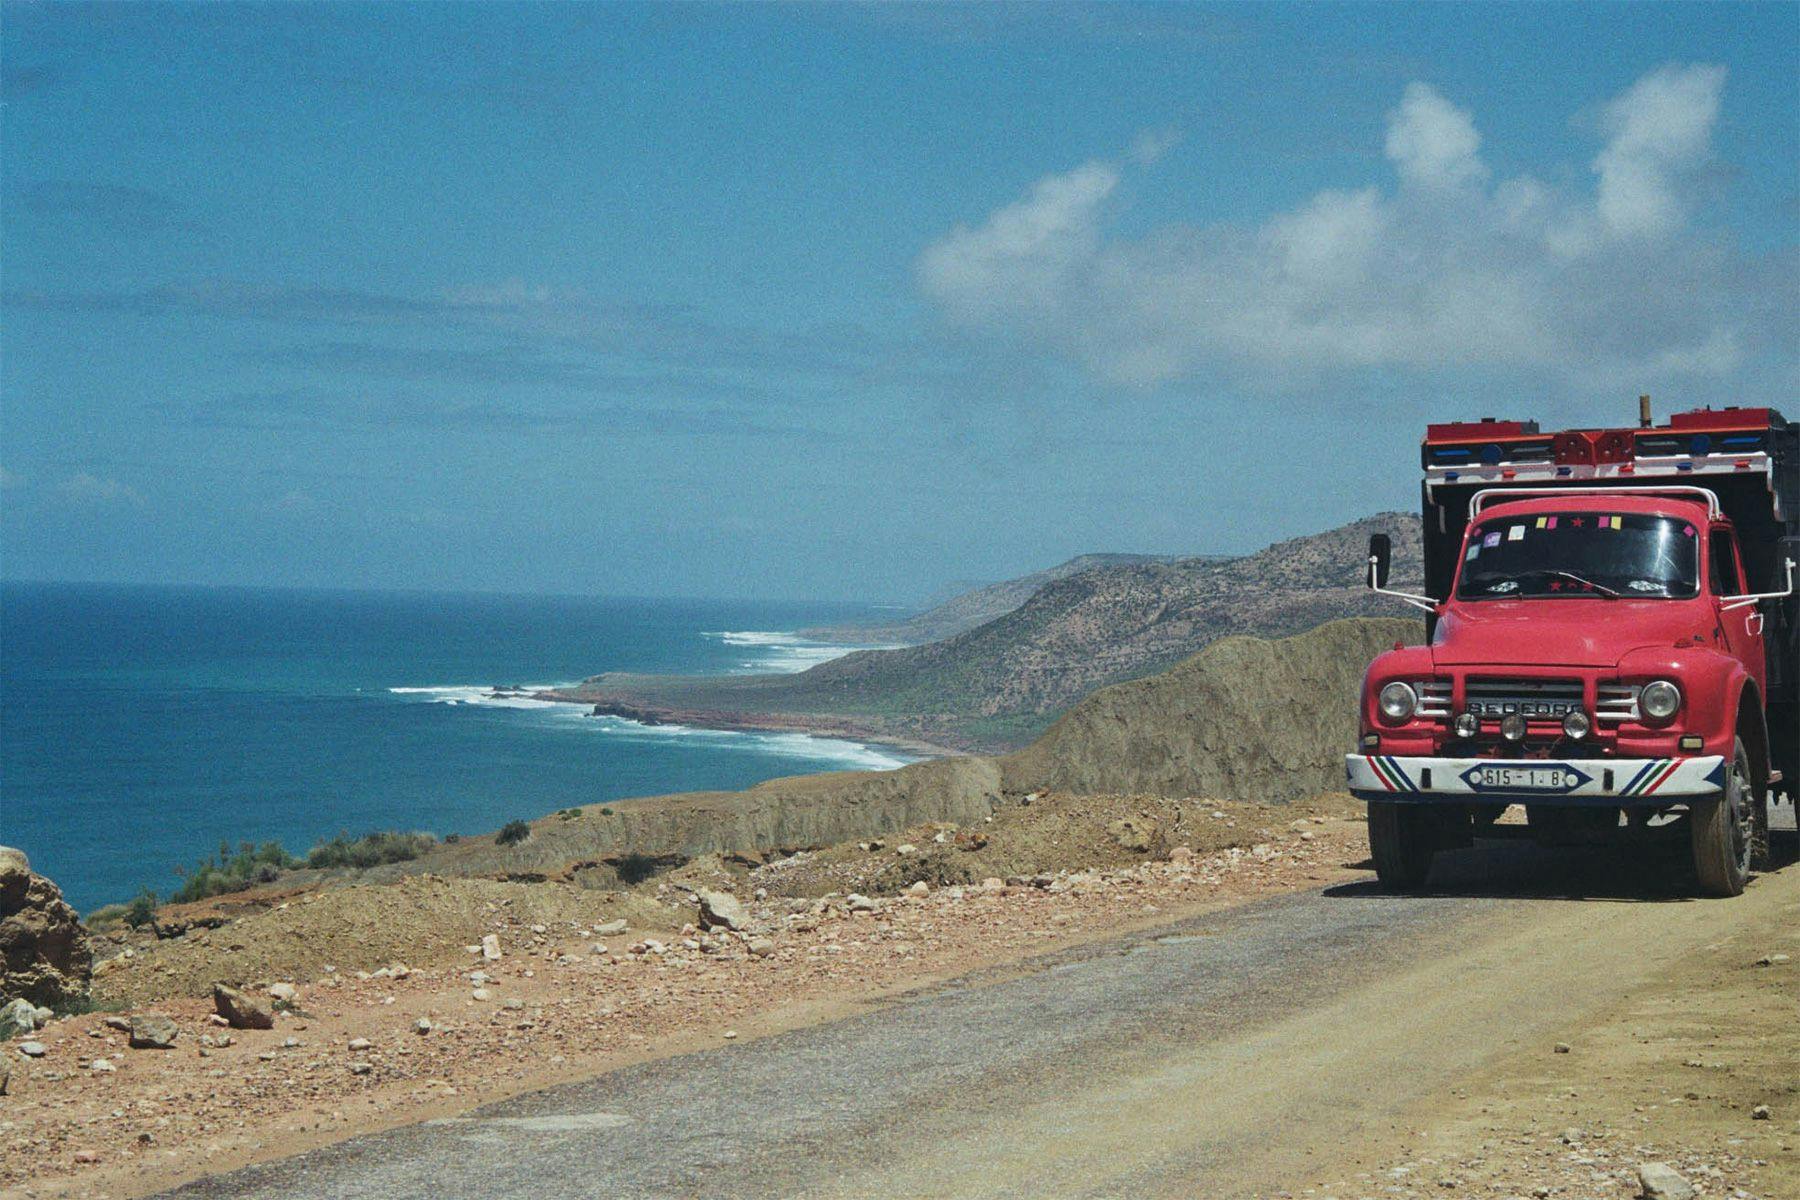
<point>1245,719</point>
<point>44,952</point>
<point>417,921</point>
<point>595,846</point>
<point>1047,834</point>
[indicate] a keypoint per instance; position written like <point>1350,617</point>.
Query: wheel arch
<point>1752,726</point>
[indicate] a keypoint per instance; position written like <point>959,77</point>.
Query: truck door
<point>1741,628</point>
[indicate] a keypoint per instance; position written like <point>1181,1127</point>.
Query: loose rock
<point>153,1031</point>
<point>721,910</point>
<point>1660,1181</point>
<point>239,1010</point>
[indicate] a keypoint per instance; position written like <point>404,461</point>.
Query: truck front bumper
<point>1624,782</point>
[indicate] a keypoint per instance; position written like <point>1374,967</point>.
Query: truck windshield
<point>1562,555</point>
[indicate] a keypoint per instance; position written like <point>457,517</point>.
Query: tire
<point>1723,830</point>
<point>1401,841</point>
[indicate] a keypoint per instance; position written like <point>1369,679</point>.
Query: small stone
<point>490,947</point>
<point>730,1034</point>
<point>512,1005</point>
<point>102,1066</point>
<point>1771,960</point>
<point>422,1025</point>
<point>1760,1113</point>
<point>87,1156</point>
<point>153,1031</point>
<point>762,947</point>
<point>1660,1181</point>
<point>358,1045</point>
<point>360,1068</point>
<point>1561,1048</point>
<point>920,888</point>
<point>906,848</point>
<point>481,994</point>
<point>284,993</point>
<point>121,1024</point>
<point>859,903</point>
<point>611,928</point>
<point>1181,854</point>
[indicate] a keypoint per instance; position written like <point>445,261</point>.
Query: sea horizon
<point>143,725</point>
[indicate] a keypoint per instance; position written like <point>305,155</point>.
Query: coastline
<point>736,721</point>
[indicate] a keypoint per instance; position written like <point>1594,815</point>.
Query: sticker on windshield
<point>1474,549</point>
<point>1491,540</point>
<point>1546,522</point>
<point>1612,522</point>
<point>1516,534</point>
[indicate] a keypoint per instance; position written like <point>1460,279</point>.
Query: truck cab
<point>1611,646</point>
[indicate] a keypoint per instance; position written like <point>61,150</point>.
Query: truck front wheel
<point>1402,840</point>
<point>1723,830</point>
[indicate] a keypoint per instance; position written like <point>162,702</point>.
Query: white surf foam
<point>484,697</point>
<point>837,751</point>
<point>778,652</point>
<point>840,751</point>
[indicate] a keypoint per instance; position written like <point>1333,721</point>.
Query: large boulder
<point>44,952</point>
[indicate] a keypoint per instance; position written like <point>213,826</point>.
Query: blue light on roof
<point>1700,443</point>
<point>1491,453</point>
<point>1684,466</point>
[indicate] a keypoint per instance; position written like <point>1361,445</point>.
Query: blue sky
<point>844,301</point>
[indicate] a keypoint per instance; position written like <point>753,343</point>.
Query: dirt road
<point>1231,1055</point>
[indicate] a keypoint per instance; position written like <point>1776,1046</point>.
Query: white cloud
<point>1443,267</point>
<point>1432,143</point>
<point>85,488</point>
<point>1658,130</point>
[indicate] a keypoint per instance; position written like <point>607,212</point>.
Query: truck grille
<point>1616,702</point>
<point>1535,699</point>
<point>1434,699</point>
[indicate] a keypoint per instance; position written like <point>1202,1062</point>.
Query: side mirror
<point>1381,559</point>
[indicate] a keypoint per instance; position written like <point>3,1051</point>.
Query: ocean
<point>142,726</point>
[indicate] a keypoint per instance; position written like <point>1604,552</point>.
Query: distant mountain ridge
<point>998,685</point>
<point>972,607</point>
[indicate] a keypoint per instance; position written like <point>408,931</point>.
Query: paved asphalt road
<point>1219,1057</point>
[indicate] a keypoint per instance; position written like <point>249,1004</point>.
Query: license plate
<point>1525,779</point>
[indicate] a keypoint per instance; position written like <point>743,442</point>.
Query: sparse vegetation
<point>569,814</point>
<point>142,909</point>
<point>216,875</point>
<point>635,868</point>
<point>450,839</point>
<point>512,833</point>
<point>369,850</point>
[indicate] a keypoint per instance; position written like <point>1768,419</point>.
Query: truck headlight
<point>1660,699</point>
<point>1577,726</point>
<point>1398,701</point>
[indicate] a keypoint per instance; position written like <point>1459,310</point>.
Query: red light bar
<point>1708,420</point>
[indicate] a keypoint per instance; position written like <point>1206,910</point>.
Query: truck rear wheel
<point>1723,830</point>
<point>1402,840</point>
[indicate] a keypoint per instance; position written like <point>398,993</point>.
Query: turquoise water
<point>140,726</point>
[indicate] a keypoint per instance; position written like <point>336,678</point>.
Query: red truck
<point>1613,644</point>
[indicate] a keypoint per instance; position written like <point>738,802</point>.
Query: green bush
<point>635,867</point>
<point>216,875</point>
<point>512,833</point>
<point>369,850</point>
<point>142,909</point>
